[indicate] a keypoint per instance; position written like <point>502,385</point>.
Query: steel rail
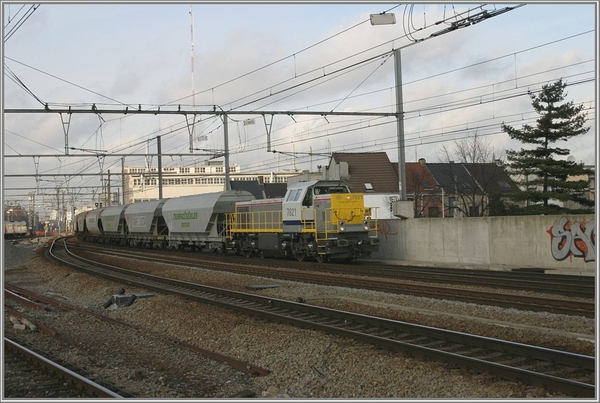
<point>522,302</point>
<point>91,387</point>
<point>242,366</point>
<point>468,351</point>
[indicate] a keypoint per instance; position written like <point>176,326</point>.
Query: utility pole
<point>400,124</point>
<point>226,143</point>
<point>108,189</point>
<point>64,213</point>
<point>58,207</point>
<point>31,211</point>
<point>123,178</point>
<point>158,151</point>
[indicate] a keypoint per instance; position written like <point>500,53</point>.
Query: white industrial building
<point>141,183</point>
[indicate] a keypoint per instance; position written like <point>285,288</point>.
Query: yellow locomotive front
<point>319,219</point>
<point>345,228</point>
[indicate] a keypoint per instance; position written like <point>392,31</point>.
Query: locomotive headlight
<point>342,226</point>
<point>366,225</point>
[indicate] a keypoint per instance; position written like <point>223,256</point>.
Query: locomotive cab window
<point>319,190</point>
<point>292,195</point>
<point>308,199</point>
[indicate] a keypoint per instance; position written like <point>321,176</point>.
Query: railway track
<point>569,373</point>
<point>31,374</point>
<point>37,301</point>
<point>365,280</point>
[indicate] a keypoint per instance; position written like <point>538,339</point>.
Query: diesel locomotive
<point>317,219</point>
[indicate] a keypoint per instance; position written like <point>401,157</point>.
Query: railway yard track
<point>555,370</point>
<point>562,372</point>
<point>36,374</point>
<point>552,289</point>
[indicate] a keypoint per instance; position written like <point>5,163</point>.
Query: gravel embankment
<point>304,363</point>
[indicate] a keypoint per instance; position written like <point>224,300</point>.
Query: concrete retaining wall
<point>566,244</point>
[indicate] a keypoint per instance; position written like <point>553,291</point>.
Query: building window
<point>433,211</point>
<point>474,211</point>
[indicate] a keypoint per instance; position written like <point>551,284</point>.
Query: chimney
<point>422,161</point>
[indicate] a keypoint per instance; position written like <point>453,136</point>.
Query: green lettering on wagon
<point>188,215</point>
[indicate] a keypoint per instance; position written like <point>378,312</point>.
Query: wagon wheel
<point>300,255</point>
<point>247,252</point>
<point>320,258</point>
<point>261,254</point>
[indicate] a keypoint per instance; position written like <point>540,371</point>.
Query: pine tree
<point>544,176</point>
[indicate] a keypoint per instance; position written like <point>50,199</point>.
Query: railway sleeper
<point>492,355</point>
<point>354,327</point>
<point>453,348</point>
<point>414,340</point>
<point>435,343</point>
<point>330,322</point>
<point>514,361</point>
<point>385,333</point>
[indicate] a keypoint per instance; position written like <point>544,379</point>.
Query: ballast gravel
<point>303,363</point>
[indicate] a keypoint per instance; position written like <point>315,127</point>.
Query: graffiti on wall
<point>573,239</point>
<point>386,230</point>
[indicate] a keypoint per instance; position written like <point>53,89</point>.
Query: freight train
<point>316,219</point>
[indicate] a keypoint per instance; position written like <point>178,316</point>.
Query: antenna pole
<point>193,84</point>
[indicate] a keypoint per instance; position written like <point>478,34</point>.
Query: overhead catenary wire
<point>457,105</point>
<point>21,21</point>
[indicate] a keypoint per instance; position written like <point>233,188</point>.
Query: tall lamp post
<point>387,19</point>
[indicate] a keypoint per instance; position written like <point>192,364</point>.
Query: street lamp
<point>387,19</point>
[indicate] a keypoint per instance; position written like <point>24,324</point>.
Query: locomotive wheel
<point>247,252</point>
<point>321,258</point>
<point>300,256</point>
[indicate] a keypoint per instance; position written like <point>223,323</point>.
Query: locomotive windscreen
<point>319,190</point>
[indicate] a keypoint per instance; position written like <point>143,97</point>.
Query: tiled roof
<point>492,177</point>
<point>454,178</point>
<point>364,168</point>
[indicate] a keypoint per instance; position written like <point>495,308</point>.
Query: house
<point>468,189</point>
<point>435,190</point>
<point>589,193</point>
<point>423,189</point>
